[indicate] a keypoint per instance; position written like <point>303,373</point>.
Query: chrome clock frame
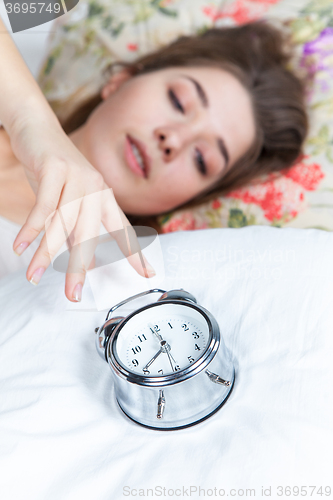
<point>179,399</point>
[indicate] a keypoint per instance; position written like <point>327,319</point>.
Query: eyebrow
<point>205,103</point>
<point>200,91</point>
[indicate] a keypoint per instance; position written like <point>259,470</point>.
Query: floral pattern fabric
<point>99,32</point>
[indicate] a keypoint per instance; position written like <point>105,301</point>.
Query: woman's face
<point>162,138</point>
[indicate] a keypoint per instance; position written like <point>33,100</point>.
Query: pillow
<point>61,430</point>
<point>97,32</point>
<point>303,195</point>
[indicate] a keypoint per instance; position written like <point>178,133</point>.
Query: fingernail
<point>77,292</point>
<point>35,278</point>
<point>149,270</point>
<point>20,248</point>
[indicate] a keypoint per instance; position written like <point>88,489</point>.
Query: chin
<point>147,212</point>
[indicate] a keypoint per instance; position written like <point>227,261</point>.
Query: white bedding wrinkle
<point>9,262</point>
<point>62,434</point>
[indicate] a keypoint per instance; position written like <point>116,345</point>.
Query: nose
<point>171,141</point>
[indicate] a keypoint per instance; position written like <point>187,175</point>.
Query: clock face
<point>162,340</point>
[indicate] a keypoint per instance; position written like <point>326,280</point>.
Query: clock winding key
<point>160,404</point>
<point>217,379</point>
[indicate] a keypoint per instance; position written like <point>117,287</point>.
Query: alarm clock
<point>170,366</point>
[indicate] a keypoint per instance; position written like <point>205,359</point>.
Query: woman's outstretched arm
<point>61,178</point>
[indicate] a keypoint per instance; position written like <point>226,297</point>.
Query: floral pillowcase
<point>99,32</point>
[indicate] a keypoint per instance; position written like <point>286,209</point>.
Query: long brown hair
<point>259,55</point>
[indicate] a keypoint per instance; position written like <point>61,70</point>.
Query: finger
<point>85,240</point>
<point>122,231</point>
<point>57,233</point>
<point>47,198</point>
<point>92,263</point>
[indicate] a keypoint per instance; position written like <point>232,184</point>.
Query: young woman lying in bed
<point>180,126</point>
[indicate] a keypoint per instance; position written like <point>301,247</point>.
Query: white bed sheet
<point>62,434</point>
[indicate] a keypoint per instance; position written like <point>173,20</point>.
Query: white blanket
<point>62,435</point>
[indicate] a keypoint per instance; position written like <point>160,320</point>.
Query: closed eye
<point>175,101</point>
<point>200,162</point>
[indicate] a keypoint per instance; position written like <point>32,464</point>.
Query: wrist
<point>33,112</point>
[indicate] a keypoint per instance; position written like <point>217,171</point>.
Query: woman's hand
<point>72,200</point>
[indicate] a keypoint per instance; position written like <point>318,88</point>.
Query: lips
<point>131,157</point>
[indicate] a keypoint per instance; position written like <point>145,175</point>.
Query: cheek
<point>97,125</point>
<point>178,181</point>
<point>142,103</point>
<point>131,103</point>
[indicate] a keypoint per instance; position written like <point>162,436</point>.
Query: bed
<point>62,435</point>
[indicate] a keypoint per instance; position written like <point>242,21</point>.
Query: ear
<point>114,83</point>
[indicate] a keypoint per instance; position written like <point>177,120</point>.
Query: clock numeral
<point>160,371</point>
<point>170,325</point>
<point>190,359</point>
<point>145,371</point>
<point>197,348</point>
<point>135,362</point>
<point>136,349</point>
<point>185,327</point>
<point>156,328</point>
<point>177,368</point>
<point>195,335</point>
<point>144,337</point>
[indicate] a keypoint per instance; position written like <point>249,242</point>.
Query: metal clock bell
<point>170,366</point>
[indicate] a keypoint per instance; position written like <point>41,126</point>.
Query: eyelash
<point>200,162</point>
<point>175,101</point>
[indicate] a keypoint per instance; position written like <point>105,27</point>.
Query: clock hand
<point>167,348</point>
<point>167,351</point>
<point>173,359</point>
<point>152,360</point>
<point>151,326</point>
<point>164,345</point>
